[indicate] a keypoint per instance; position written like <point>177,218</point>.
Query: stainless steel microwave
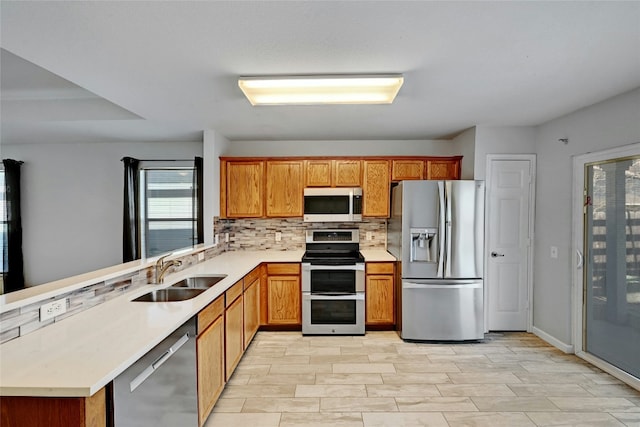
<point>332,204</point>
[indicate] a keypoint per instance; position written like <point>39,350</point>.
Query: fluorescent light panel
<point>309,90</point>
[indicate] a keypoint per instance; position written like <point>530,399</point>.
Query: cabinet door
<point>210,349</point>
<point>379,298</point>
<point>443,169</point>
<point>318,173</point>
<point>244,189</point>
<point>375,188</point>
<point>348,173</point>
<point>54,411</point>
<point>251,311</point>
<point>233,329</point>
<point>284,188</point>
<point>284,306</point>
<point>407,169</point>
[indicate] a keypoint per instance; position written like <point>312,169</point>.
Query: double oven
<point>333,283</point>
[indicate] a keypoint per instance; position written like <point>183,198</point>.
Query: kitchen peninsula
<point>79,356</point>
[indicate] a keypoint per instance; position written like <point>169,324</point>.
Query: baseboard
<point>567,348</point>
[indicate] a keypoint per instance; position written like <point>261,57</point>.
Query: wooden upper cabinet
<point>333,173</point>
<point>347,173</point>
<point>407,169</point>
<point>375,188</point>
<point>244,189</point>
<point>443,169</point>
<point>318,173</point>
<point>284,188</point>
<point>273,187</point>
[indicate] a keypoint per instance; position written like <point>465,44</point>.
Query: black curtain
<point>198,189</point>
<point>12,263</point>
<point>131,209</point>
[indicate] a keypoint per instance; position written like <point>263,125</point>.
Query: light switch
<point>554,252</point>
<point>278,236</point>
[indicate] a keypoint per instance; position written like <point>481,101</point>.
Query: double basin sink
<point>183,290</point>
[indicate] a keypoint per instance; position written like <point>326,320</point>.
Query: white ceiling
<point>167,70</point>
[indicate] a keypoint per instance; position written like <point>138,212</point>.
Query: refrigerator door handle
<point>447,260</point>
<point>442,228</point>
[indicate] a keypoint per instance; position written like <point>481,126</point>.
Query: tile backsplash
<point>244,234</point>
<point>260,234</point>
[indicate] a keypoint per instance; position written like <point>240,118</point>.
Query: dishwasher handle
<point>142,377</point>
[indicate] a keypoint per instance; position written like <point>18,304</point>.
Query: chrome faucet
<point>162,267</point>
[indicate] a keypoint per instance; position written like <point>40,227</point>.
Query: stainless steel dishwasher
<point>160,389</point>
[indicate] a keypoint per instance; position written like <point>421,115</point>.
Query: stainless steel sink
<point>199,282</point>
<point>170,294</point>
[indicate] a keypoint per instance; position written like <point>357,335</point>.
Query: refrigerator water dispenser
<point>424,246</point>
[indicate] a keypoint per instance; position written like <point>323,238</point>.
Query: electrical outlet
<point>53,309</point>
<point>226,237</point>
<point>369,235</point>
<point>216,239</point>
<point>278,236</point>
<point>554,252</point>
<point>200,256</point>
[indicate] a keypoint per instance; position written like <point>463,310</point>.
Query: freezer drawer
<point>442,310</point>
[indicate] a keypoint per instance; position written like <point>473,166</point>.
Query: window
<point>168,211</point>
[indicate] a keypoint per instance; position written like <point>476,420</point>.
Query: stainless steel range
<point>333,283</point>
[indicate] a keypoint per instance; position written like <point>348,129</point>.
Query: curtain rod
<point>160,160</point>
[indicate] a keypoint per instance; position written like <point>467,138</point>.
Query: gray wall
<point>214,145</point>
<point>612,123</point>
<point>72,203</point>
<point>465,145</point>
<point>501,140</point>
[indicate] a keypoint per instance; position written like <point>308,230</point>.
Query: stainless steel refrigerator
<point>436,229</point>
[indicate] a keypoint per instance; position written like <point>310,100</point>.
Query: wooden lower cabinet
<point>284,294</point>
<point>251,310</point>
<point>284,300</point>
<point>54,411</point>
<point>233,335</point>
<point>380,293</point>
<point>211,373</point>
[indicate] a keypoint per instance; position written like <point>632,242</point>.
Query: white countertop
<point>81,354</point>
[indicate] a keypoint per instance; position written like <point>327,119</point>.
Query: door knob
<point>495,254</point>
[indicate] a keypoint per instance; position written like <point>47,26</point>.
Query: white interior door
<point>508,250</point>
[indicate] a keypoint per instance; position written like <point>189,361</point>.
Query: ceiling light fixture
<point>311,90</point>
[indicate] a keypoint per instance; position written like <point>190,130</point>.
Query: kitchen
<point>601,125</point>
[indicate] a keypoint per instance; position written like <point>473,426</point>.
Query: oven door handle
<point>309,267</point>
<point>333,294</point>
<point>357,297</point>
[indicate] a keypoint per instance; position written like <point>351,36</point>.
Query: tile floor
<point>512,379</point>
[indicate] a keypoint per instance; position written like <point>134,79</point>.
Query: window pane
<point>168,198</point>
<point>612,235</point>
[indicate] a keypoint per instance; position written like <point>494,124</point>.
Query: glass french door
<point>611,309</point>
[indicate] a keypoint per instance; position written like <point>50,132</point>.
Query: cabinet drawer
<point>233,292</point>
<point>280,269</point>
<point>210,313</point>
<point>251,277</point>
<point>379,268</point>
